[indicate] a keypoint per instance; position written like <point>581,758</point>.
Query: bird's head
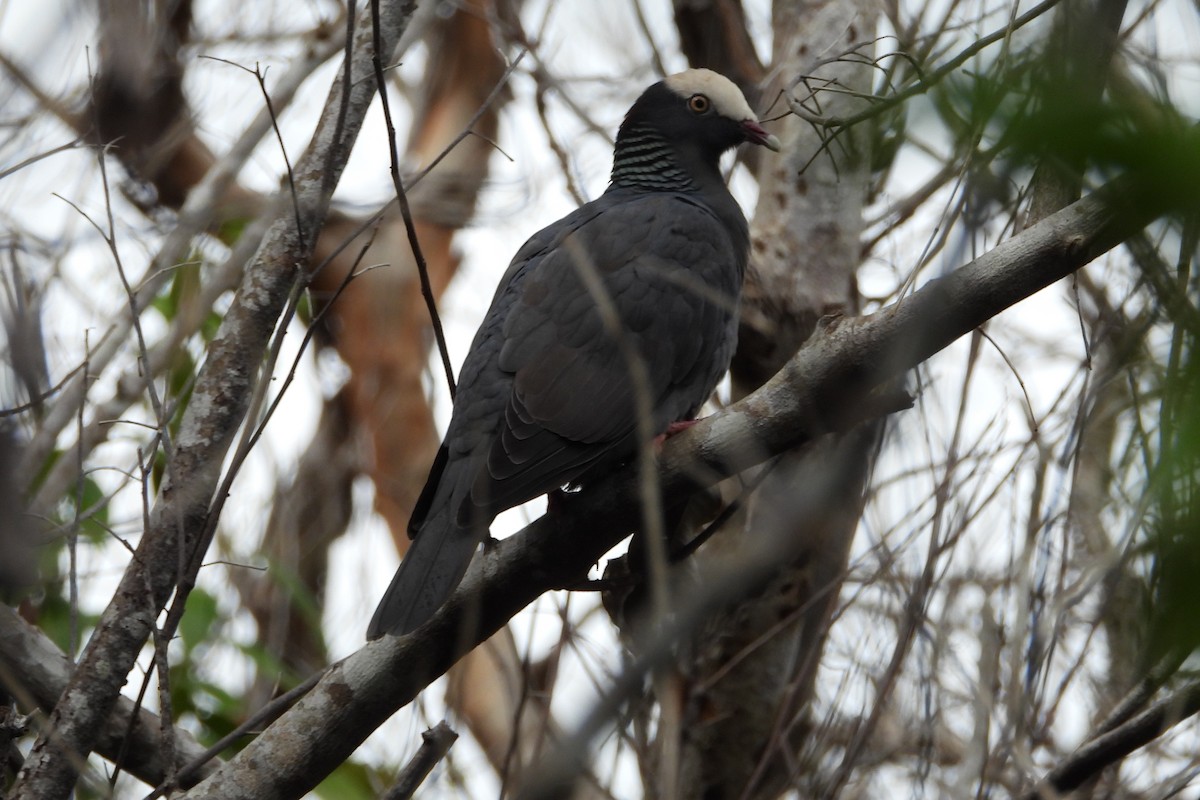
<point>677,130</point>
<point>701,106</point>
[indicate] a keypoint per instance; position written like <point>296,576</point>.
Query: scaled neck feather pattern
<point>645,160</point>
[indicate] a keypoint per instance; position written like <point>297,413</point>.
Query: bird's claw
<point>675,427</point>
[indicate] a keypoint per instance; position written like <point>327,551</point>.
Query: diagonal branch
<point>827,386</point>
<point>1109,748</point>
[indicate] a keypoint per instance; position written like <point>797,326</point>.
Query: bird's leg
<point>554,500</point>
<point>675,427</point>
<point>679,426</point>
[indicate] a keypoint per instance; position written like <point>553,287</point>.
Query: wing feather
<point>571,405</point>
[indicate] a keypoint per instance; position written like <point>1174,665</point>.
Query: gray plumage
<point>544,396</point>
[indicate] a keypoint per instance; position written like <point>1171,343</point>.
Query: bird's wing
<point>654,278</point>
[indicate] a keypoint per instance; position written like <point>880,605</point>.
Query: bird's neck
<point>645,160</point>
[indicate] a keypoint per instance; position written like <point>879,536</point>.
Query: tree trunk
<point>752,681</point>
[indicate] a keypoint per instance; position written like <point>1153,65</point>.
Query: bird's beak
<point>756,135</point>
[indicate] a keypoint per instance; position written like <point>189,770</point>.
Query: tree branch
<point>35,671</point>
<point>1108,748</point>
<point>435,744</point>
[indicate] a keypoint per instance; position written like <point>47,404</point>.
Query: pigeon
<point>651,270</point>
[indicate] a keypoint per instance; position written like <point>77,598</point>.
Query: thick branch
<point>818,391</point>
<point>35,671</point>
<point>218,407</point>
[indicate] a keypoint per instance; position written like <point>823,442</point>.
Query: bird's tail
<point>432,568</point>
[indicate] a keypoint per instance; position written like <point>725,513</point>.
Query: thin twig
<point>435,744</point>
<point>71,145</point>
<point>264,716</point>
<point>469,128</point>
<point>405,212</point>
<point>261,76</point>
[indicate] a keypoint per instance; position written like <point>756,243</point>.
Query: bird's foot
<point>675,427</point>
<point>554,500</point>
<point>679,426</point>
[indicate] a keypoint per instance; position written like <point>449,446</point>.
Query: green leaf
<point>93,526</point>
<point>350,781</point>
<point>198,618</point>
<point>54,618</point>
<point>231,229</point>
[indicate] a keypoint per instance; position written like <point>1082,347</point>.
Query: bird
<point>650,270</point>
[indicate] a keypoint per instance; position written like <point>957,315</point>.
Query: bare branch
<point>435,743</point>
<point>35,671</point>
<point>1109,748</point>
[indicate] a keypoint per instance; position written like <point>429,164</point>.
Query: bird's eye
<point>698,103</point>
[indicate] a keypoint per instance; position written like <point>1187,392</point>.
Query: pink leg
<point>681,425</point>
<point>672,429</point>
